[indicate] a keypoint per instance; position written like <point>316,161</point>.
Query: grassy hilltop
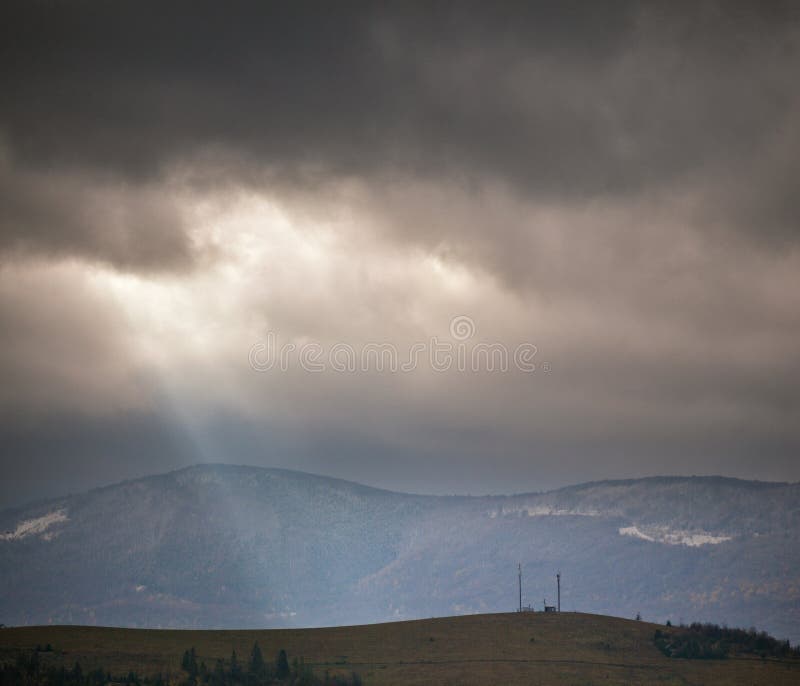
<point>528,648</point>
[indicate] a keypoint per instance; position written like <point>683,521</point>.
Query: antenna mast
<point>519,567</point>
<point>558,581</point>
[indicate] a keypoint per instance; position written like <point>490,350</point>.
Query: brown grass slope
<point>528,648</point>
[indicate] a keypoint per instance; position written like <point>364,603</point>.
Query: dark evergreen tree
<point>218,677</point>
<point>236,668</point>
<point>282,665</point>
<point>189,665</point>
<point>257,665</point>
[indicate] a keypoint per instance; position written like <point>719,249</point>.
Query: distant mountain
<point>227,546</point>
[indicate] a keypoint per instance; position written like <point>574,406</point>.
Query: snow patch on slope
<point>634,531</point>
<point>662,534</point>
<point>543,511</point>
<point>38,525</point>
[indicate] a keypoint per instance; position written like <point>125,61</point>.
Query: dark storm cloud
<point>567,99</point>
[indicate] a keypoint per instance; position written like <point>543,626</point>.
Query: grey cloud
<point>68,453</point>
<point>55,214</point>
<point>64,347</point>
<point>561,100</point>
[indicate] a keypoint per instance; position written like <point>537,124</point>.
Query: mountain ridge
<point>216,545</point>
<point>655,479</point>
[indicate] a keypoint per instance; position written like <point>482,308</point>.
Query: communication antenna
<point>519,569</point>
<point>558,582</point>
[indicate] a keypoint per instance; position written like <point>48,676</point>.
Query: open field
<point>527,648</point>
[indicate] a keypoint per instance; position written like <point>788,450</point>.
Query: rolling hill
<point>215,546</point>
<point>514,648</point>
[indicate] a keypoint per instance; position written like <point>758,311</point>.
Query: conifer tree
<point>257,665</point>
<point>282,665</point>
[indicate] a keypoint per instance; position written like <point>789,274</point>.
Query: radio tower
<point>519,567</point>
<point>558,581</point>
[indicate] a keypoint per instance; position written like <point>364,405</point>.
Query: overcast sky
<point>611,187</point>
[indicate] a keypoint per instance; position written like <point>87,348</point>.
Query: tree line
<point>30,669</point>
<point>256,671</point>
<point>707,641</point>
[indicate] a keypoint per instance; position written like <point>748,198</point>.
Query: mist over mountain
<point>228,546</point>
